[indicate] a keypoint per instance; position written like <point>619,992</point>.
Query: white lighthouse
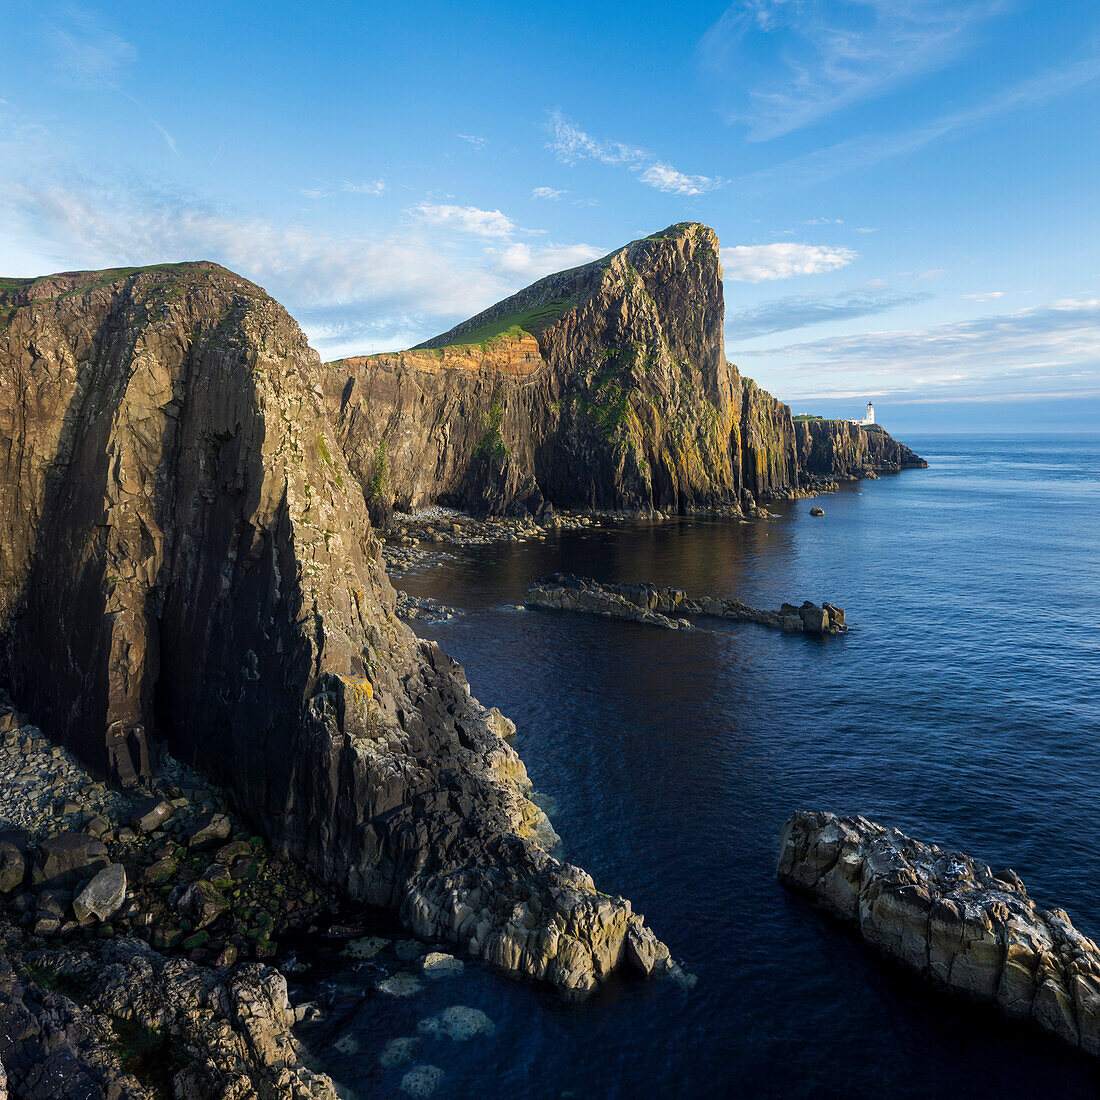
<point>868,419</point>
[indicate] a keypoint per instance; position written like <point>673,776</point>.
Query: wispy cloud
<point>759,263</point>
<point>859,153</point>
<point>547,193</point>
<point>800,310</point>
<point>86,53</point>
<point>464,219</point>
<point>326,190</point>
<point>477,142</point>
<point>529,263</point>
<point>571,144</point>
<point>820,56</point>
<point>989,295</point>
<point>1042,349</point>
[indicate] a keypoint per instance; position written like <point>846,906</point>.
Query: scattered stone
<point>459,1022</point>
<point>151,815</point>
<point>950,918</point>
<point>103,896</point>
<point>200,903</point>
<point>817,511</point>
<point>208,831</point>
<point>407,950</point>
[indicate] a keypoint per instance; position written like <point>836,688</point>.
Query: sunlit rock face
<point>188,558</point>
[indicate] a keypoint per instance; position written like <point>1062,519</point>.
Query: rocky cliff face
<point>602,387</point>
<point>188,557</point>
<point>838,449</point>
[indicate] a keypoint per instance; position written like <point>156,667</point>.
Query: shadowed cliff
<point>187,558</point>
<point>605,386</point>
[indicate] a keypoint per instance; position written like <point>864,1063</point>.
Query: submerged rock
<point>949,917</point>
<point>421,1081</point>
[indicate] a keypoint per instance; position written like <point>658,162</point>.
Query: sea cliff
<point>188,561</point>
<point>602,387</point>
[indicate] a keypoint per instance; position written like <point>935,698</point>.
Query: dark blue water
<point>962,708</point>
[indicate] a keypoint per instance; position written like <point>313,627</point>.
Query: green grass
<point>512,325</point>
<point>801,417</point>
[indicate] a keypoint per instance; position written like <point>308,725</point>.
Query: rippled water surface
<point>961,707</point>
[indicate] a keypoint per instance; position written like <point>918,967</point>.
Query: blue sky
<point>905,192</point>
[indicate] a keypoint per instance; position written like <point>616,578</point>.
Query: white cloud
<point>571,144</point>
<point>529,264</point>
<point>800,310</point>
<point>665,178</point>
<point>464,219</point>
<point>988,296</point>
<point>478,143</point>
<point>369,187</point>
<point>547,193</point>
<point>832,55</point>
<point>758,263</point>
<point>824,221</point>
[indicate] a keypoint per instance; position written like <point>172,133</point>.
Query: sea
<point>962,707</point>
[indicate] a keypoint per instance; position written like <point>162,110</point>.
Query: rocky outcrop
<point>117,1020</point>
<point>188,560</point>
<point>602,387</point>
<point>666,607</point>
<point>841,450</point>
<point>949,917</point>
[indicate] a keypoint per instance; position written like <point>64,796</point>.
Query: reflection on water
<point>961,707</point>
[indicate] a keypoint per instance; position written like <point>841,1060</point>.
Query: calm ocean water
<point>962,708</point>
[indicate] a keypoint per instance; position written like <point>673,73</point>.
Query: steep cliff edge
<point>605,386</point>
<point>840,449</point>
<point>187,557</point>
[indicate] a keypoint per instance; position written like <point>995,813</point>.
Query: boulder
<point>13,867</point>
<point>103,896</point>
<point>208,831</point>
<point>817,511</point>
<point>66,859</point>
<point>200,902</point>
<point>151,815</point>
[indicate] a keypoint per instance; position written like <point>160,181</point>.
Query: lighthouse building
<point>868,419</point>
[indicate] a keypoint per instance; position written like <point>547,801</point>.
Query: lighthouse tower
<point>868,419</point>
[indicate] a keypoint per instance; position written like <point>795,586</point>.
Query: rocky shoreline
<point>950,918</point>
<point>667,607</point>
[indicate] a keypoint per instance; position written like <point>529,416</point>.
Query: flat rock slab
<point>949,917</point>
<point>151,815</point>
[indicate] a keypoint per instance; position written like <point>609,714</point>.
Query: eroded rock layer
<point>602,387</point>
<point>949,917</point>
<point>187,556</point>
<point>840,449</point>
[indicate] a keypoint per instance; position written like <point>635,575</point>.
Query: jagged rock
<point>949,917</point>
<point>65,859</point>
<point>103,896</point>
<point>646,603</point>
<point>151,815</point>
<point>817,511</point>
<point>208,831</point>
<point>230,1030</point>
<point>181,526</point>
<point>13,867</point>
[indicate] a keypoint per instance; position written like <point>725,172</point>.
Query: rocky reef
<point>188,562</point>
<point>949,917</point>
<point>667,607</point>
<point>602,387</point>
